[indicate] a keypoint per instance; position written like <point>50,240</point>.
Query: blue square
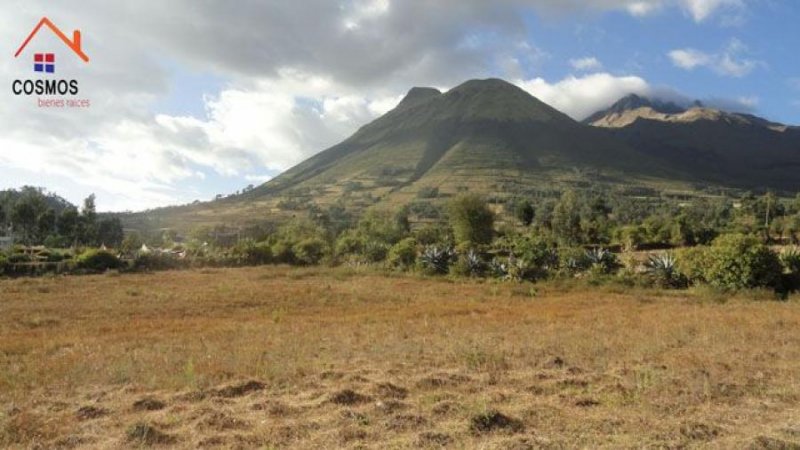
<point>50,68</point>
<point>38,67</point>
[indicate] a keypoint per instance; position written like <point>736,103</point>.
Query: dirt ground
<point>277,357</point>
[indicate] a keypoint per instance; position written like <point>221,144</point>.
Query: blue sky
<point>190,100</point>
<point>640,45</point>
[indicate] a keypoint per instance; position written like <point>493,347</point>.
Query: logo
<point>44,63</point>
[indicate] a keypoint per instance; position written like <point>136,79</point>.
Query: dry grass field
<point>330,358</point>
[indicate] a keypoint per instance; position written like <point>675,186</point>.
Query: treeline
<point>720,242</point>
<point>36,217</point>
<point>724,242</point>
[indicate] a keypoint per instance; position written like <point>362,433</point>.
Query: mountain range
<point>492,137</point>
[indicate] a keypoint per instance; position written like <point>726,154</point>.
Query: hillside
<point>724,148</point>
<point>492,137</point>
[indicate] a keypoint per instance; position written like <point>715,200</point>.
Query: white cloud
<point>579,97</point>
<point>728,62</point>
<point>689,58</point>
<point>586,64</point>
<point>700,10</point>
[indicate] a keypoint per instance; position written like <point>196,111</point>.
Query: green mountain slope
<point>492,137</point>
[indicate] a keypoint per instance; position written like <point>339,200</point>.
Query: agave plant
<point>790,258</point>
<point>498,268</point>
<point>602,259</point>
<point>437,259</point>
<point>474,264</point>
<point>663,267</point>
<point>663,263</point>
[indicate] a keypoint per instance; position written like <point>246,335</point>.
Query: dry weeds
<point>316,358</point>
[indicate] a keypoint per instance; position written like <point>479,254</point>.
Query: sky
<point>192,99</point>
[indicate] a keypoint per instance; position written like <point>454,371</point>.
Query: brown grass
<point>320,358</point>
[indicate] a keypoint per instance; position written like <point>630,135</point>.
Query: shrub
<point>740,262</point>
<point>404,254</point>
<point>349,244</point>
<point>309,251</point>
<point>155,261</point>
<point>428,192</point>
<point>17,258</point>
<point>432,234</point>
<point>98,260</point>
<point>252,253</point>
<point>436,260</point>
<point>3,263</point>
<point>283,252</point>
<point>54,256</point>
<point>375,251</point>
<point>632,237</point>
<point>692,262</point>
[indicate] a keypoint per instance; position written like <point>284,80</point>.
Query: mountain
<point>709,145</point>
<point>481,130</point>
<point>492,137</point>
<point>633,102</point>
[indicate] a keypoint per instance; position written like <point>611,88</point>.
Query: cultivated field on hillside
<point>277,357</point>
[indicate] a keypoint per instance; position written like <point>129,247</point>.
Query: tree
<point>23,216</point>
<point>45,225</point>
<point>87,225</point>
<point>524,212</point>
<point>67,223</point>
<point>131,243</point>
<point>471,219</point>
<point>566,221</point>
<point>109,232</point>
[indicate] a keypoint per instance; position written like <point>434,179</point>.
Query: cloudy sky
<point>194,98</point>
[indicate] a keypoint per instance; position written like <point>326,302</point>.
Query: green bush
<point>403,255</point>
<point>692,262</point>
<point>283,252</point>
<point>250,252</point>
<point>155,261</point>
<point>3,263</point>
<point>349,243</point>
<point>741,262</point>
<point>375,251</point>
<point>54,256</point>
<point>309,251</point>
<point>98,260</point>
<point>17,258</point>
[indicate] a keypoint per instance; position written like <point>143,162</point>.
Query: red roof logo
<point>74,44</point>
